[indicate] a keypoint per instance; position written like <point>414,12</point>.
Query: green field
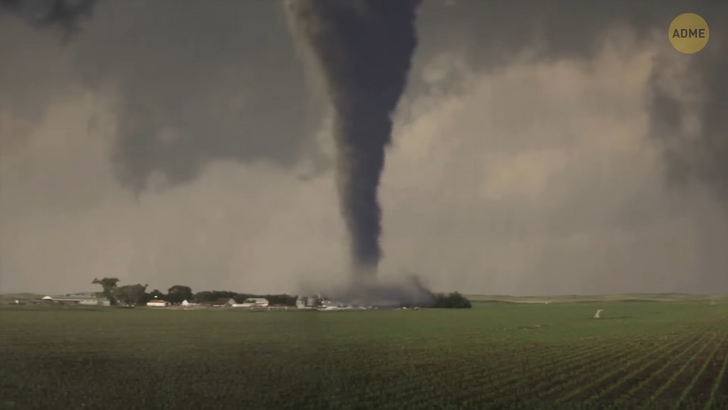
<point>497,355</point>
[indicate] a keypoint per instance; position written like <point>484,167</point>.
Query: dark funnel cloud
<point>364,49</point>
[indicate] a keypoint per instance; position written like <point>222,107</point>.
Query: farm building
<point>76,300</point>
<point>157,303</point>
<point>307,302</point>
<point>222,302</point>
<point>252,303</point>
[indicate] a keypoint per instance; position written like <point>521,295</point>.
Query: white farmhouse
<point>301,302</point>
<point>252,303</point>
<point>76,300</point>
<point>222,302</point>
<point>157,303</point>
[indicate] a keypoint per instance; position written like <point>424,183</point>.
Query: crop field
<point>661,355</point>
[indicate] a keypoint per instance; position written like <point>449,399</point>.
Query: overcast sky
<point>544,147</point>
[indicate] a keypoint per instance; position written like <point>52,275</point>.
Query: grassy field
<point>496,355</point>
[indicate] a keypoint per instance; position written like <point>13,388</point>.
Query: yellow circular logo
<point>689,33</point>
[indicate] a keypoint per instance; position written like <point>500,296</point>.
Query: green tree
<point>108,285</point>
<point>204,296</point>
<point>284,299</point>
<point>130,294</point>
<point>146,297</point>
<point>179,293</point>
<point>211,296</point>
<point>452,301</point>
<point>157,294</point>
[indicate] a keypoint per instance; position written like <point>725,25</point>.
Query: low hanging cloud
<point>573,200</point>
<point>192,83</point>
<point>182,49</point>
<point>682,89</point>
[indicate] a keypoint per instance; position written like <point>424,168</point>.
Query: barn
<point>157,303</point>
<point>252,303</point>
<point>223,302</point>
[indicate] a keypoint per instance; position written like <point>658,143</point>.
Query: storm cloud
<point>556,146</point>
<point>191,83</point>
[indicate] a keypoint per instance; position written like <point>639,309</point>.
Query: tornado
<point>363,49</point>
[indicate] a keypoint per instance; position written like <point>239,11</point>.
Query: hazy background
<point>540,149</point>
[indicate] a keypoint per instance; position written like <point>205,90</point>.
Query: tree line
<point>452,300</point>
<point>137,295</point>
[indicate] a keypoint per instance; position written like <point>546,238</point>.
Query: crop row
<point>563,381</point>
<point>684,396</point>
<point>623,375</point>
<point>703,339</point>
<point>579,365</point>
<point>555,371</point>
<point>620,374</point>
<point>464,381</point>
<point>468,376</point>
<point>575,389</point>
<point>711,404</point>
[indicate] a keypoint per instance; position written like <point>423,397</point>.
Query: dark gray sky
<point>542,147</point>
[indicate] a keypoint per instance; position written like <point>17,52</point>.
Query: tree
<point>108,285</point>
<point>146,297</point>
<point>204,296</point>
<point>285,299</point>
<point>179,293</point>
<point>156,294</point>
<point>452,301</point>
<point>130,294</point>
<point>211,296</point>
